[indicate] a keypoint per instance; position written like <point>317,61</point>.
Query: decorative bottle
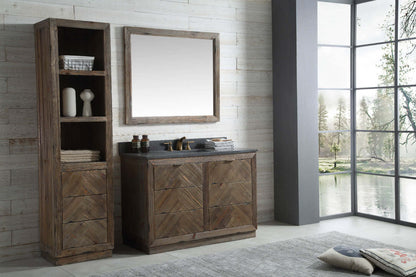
<point>144,144</point>
<point>87,96</point>
<point>69,107</point>
<point>135,144</point>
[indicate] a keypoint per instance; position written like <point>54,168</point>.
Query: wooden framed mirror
<point>171,76</point>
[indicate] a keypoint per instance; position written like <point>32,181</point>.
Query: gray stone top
<point>152,155</point>
<point>158,150</point>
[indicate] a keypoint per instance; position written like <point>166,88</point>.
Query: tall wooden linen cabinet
<point>76,198</point>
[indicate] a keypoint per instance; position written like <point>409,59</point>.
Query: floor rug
<point>294,257</point>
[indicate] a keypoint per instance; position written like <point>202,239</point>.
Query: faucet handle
<point>188,147</point>
<point>169,144</point>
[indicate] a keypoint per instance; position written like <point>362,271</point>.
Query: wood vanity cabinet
<point>75,198</point>
<point>173,203</point>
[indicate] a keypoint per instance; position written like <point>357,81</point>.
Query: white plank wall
<point>246,94</point>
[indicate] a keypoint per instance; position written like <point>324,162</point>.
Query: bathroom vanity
<point>178,199</point>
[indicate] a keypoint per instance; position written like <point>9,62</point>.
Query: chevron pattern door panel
<point>230,216</point>
<point>86,182</point>
<point>177,176</point>
<point>229,193</point>
<point>84,233</point>
<point>84,208</point>
<point>235,171</point>
<point>176,224</point>
<point>175,200</point>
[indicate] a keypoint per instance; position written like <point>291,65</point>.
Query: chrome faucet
<point>179,144</point>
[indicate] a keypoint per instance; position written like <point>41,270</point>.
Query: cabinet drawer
<point>175,200</point>
<point>86,182</point>
<point>176,224</point>
<point>177,176</point>
<point>83,208</point>
<point>235,171</point>
<point>229,193</point>
<point>84,233</point>
<point>230,216</point>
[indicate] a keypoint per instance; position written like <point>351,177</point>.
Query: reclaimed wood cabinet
<point>76,198</point>
<point>172,203</point>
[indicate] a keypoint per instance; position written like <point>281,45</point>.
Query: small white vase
<point>87,96</point>
<point>69,107</point>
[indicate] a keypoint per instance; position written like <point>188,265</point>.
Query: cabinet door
<point>176,224</point>
<point>85,182</point>
<point>230,216</point>
<point>230,194</point>
<point>177,200</point>
<point>177,175</point>
<point>230,182</point>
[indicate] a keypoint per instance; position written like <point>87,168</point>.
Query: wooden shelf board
<point>82,72</point>
<point>84,119</point>
<point>83,166</point>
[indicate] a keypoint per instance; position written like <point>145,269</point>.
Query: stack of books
<point>219,144</point>
<point>76,156</point>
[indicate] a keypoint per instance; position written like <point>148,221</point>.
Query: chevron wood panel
<point>236,171</point>
<point>84,233</point>
<point>177,176</point>
<point>86,182</point>
<point>83,208</point>
<point>176,224</point>
<point>175,200</point>
<point>221,194</point>
<point>230,216</point>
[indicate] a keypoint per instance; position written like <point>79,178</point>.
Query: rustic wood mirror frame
<point>157,119</point>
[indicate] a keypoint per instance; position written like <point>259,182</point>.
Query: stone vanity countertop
<point>185,153</point>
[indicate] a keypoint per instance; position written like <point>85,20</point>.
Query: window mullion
<point>354,208</point>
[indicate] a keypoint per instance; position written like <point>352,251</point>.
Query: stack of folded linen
<point>76,156</point>
<point>219,144</point>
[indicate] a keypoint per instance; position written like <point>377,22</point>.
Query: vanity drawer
<point>221,194</point>
<point>230,216</point>
<point>86,182</point>
<point>83,208</point>
<point>176,224</point>
<point>177,175</point>
<point>84,233</point>
<point>176,200</point>
<point>233,171</point>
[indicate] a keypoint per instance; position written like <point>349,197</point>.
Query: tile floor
<point>125,257</point>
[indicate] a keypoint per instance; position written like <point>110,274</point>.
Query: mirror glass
<point>171,76</point>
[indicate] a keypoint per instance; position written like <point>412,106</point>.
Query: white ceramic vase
<point>87,96</point>
<point>69,106</point>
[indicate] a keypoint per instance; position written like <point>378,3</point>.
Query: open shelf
<point>82,42</point>
<point>81,82</point>
<point>84,136</point>
<point>84,119</point>
<point>82,72</point>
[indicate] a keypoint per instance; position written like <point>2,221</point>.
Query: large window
<point>334,82</point>
<point>383,108</point>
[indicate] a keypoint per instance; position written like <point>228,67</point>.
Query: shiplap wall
<point>246,94</point>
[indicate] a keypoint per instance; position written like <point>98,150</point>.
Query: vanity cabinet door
<point>230,182</point>
<point>177,175</point>
<point>178,199</point>
<point>230,194</point>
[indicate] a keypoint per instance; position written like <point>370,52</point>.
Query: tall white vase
<point>87,96</point>
<point>69,106</point>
